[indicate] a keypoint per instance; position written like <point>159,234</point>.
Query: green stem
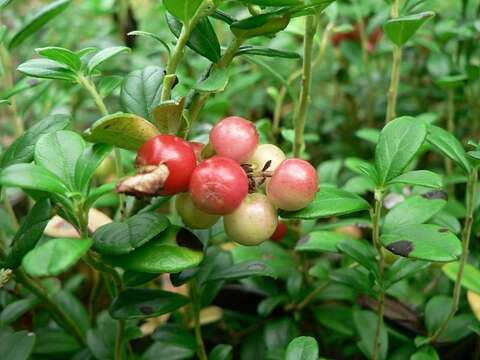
<point>304,100</point>
<point>196,306</point>
<point>312,296</point>
<point>37,290</point>
<point>466,234</point>
<point>119,340</point>
<point>451,129</point>
<point>395,77</point>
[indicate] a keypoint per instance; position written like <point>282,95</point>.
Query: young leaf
<point>423,242</point>
<point>399,142</point>
<point>58,152</point>
<point>104,55</point>
<point>399,30</point>
<point>329,202</point>
<point>145,303</point>
<point>22,149</point>
<point>423,178</point>
<point>322,241</point>
<point>141,91</point>
<point>42,17</point>
<point>126,131</point>
<point>124,237</point>
<point>151,36</point>
<point>29,233</point>
<point>87,163</point>
<point>168,116</point>
<point>47,69</point>
<point>302,348</point>
<point>182,9</point>
<point>61,55</point>
<point>471,275</point>
<point>17,345</point>
<point>55,256</point>
<point>366,325</point>
<point>216,82</point>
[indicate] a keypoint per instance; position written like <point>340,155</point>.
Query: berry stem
<point>395,77</point>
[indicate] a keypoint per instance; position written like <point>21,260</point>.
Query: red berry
<point>253,222</point>
<point>235,138</point>
<point>280,232</point>
<point>197,148</point>
<point>218,185</point>
<point>176,154</point>
<point>293,185</point>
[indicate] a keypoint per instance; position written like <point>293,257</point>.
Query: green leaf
<point>260,25</point>
<point>58,152</point>
<point>142,90</point>
<point>61,55</point>
<point>151,36</point>
<point>87,163</point>
<point>415,210</point>
<point>449,146</point>
<point>126,131</point>
<point>470,279</point>
<point>51,342</point>
<point>124,237</point>
<point>366,325</point>
<point>302,348</point>
<point>47,69</point>
<point>104,55</point>
<point>368,134</point>
<point>423,178</point>
<point>329,202</point>
<point>322,241</point>
<point>242,270</point>
<point>17,345</point>
<point>29,233</point>
<point>399,142</point>
<point>203,39</point>
<point>360,251</point>
<point>452,81</point>
<point>22,149</point>
<point>13,311</point>
<point>264,51</point>
<point>42,17</point>
<point>55,256</point>
<point>173,250</point>
<point>216,82</point>
<point>5,3</point>
<point>425,353</point>
<point>168,116</point>
<point>32,177</point>
<point>145,303</point>
<point>221,352</point>
<point>182,9</point>
<point>273,2</point>
<point>435,313</point>
<point>403,268</point>
<point>423,242</point>
<point>401,29</point>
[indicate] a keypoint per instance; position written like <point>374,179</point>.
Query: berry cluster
<point>243,181</point>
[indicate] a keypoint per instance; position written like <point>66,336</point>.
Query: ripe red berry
<point>280,232</point>
<point>197,148</point>
<point>176,154</point>
<point>192,216</point>
<point>235,138</point>
<point>293,185</point>
<point>253,222</point>
<point>218,185</point>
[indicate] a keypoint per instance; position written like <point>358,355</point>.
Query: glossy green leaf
<point>322,241</point>
<point>360,251</point>
<point>366,325</point>
<point>47,69</point>
<point>104,55</point>
<point>403,268</point>
<point>126,131</point>
<point>38,20</point>
<point>368,134</point>
<point>168,116</point>
<point>17,345</point>
<point>216,82</point>
<point>401,29</point>
<point>13,311</point>
<point>137,303</point>
<point>260,25</point>
<point>87,163</point>
<point>124,237</point>
<point>32,177</point>
<point>58,152</point>
<point>264,51</point>
<point>425,353</point>
<point>29,233</point>
<point>449,146</point>
<point>471,275</point>
<point>173,250</point>
<point>423,242</point>
<point>203,39</point>
<point>61,55</point>
<point>423,178</point>
<point>142,90</point>
<point>22,149</point>
<point>182,9</point>
<point>108,84</point>
<point>399,142</point>
<point>55,256</point>
<point>302,348</point>
<point>329,202</point>
<point>242,270</point>
<point>415,210</point>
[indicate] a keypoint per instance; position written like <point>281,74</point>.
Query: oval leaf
<point>401,29</point>
<point>17,345</point>
<point>61,55</point>
<point>47,69</point>
<point>322,241</point>
<point>471,275</point>
<point>104,55</point>
<point>302,348</point>
<point>182,9</point>
<point>423,178</point>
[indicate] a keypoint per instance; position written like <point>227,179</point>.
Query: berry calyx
<point>235,137</point>
<point>293,185</point>
<point>280,232</point>
<point>176,154</point>
<point>192,216</point>
<point>253,222</point>
<point>218,185</point>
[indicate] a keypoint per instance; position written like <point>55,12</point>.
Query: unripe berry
<point>218,185</point>
<point>253,222</point>
<point>265,153</point>
<point>176,154</point>
<point>192,216</point>
<point>235,138</point>
<point>293,185</point>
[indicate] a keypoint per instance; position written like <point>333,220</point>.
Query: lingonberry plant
<point>241,179</point>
